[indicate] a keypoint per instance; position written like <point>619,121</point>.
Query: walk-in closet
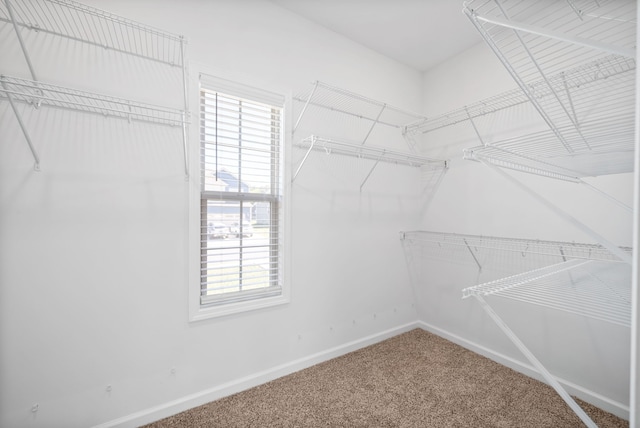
<point>203,201</point>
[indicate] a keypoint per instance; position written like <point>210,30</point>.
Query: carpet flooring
<point>416,379</point>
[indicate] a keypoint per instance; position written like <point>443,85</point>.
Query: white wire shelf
<point>374,154</point>
<point>538,38</point>
<point>582,279</point>
<point>575,63</point>
<point>352,116</point>
<point>43,94</point>
<point>358,106</point>
<point>76,21</point>
<point>598,290</point>
<point>557,251</point>
<point>577,79</point>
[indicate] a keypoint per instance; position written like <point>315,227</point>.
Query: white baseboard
<point>188,402</point>
<point>238,385</point>
<point>611,406</point>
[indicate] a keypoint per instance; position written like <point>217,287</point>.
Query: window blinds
<point>240,130</point>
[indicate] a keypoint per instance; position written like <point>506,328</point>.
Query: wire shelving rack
<point>575,63</point>
<point>85,24</point>
<point>582,279</point>
<point>79,22</point>
<point>363,116</point>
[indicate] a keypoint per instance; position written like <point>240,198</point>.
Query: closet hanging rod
<point>82,23</point>
<point>381,154</point>
<point>39,93</point>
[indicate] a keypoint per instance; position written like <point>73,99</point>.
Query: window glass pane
<point>237,256</point>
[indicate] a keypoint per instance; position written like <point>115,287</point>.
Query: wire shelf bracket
<point>551,380</point>
<point>350,104</point>
<point>622,255</point>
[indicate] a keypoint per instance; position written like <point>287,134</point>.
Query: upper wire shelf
<point>44,94</point>
<point>562,251</point>
<point>90,25</point>
<point>346,102</point>
<point>352,116</point>
<point>574,61</point>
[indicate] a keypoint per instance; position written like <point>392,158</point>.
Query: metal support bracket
<point>473,255</point>
<point>473,124</point>
<point>20,40</point>
<point>366,137</point>
<point>306,155</point>
<point>23,127</point>
<point>185,91</point>
<point>371,171</point>
<point>304,109</point>
<point>614,249</point>
<point>537,364</point>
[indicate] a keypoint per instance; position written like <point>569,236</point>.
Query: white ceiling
<point>418,33</point>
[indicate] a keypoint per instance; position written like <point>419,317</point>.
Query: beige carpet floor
<point>416,379</point>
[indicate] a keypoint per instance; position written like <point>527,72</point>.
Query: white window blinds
<point>240,135</point>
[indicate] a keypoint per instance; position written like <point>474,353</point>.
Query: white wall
<point>476,200</point>
<point>93,257</point>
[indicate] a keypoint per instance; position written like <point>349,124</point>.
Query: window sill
<point>204,313</point>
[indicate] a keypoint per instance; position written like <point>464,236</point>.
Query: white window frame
<point>197,311</point>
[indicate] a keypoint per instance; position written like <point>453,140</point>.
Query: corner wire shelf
<point>369,114</point>
<point>601,94</point>
<point>575,62</point>
<point>81,23</point>
<point>582,279</point>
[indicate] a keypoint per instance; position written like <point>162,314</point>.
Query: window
<point>240,197</point>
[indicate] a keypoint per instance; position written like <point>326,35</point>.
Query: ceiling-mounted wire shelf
<point>90,25</point>
<point>43,94</point>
